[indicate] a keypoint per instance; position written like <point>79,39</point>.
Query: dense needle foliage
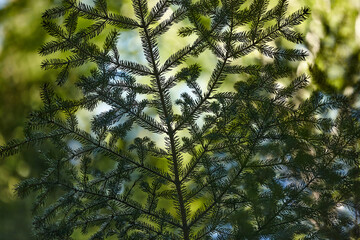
<point>250,163</point>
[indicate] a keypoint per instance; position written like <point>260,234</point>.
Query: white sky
<point>3,3</point>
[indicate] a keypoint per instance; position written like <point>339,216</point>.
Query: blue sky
<point>3,3</point>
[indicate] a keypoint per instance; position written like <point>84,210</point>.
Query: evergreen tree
<point>251,163</point>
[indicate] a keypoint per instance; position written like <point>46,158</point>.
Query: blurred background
<point>332,37</point>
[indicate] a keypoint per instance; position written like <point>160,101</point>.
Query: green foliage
<point>249,163</point>
<point>20,76</point>
<point>334,46</point>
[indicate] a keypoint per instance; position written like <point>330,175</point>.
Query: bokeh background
<point>332,37</point>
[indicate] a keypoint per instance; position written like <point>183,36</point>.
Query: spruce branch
<point>254,161</point>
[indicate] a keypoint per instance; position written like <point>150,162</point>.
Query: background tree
<point>21,36</point>
<point>20,77</point>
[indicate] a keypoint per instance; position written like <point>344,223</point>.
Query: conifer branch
<point>221,164</point>
<point>152,59</point>
<point>117,200</point>
<point>115,153</point>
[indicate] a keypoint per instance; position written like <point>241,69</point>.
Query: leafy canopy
<point>247,163</point>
